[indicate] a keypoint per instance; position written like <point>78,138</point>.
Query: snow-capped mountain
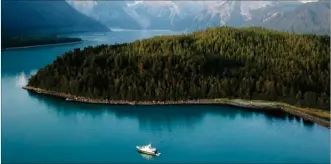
<point>307,18</point>
<point>240,13</point>
<point>180,15</point>
<point>155,14</point>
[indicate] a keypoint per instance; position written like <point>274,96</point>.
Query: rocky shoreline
<point>235,102</point>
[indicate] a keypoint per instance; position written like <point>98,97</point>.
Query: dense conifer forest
<point>248,63</point>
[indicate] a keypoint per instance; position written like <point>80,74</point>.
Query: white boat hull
<point>147,152</point>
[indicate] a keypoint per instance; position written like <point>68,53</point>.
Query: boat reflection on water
<point>147,156</point>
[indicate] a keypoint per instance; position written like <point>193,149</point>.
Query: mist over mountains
<point>193,15</point>
<point>307,18</point>
<point>65,16</point>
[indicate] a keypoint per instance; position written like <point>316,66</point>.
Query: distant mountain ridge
<point>311,17</point>
<point>193,15</point>
<point>44,17</point>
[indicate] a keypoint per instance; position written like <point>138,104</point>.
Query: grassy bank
<point>318,116</point>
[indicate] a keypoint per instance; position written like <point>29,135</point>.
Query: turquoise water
<point>43,129</point>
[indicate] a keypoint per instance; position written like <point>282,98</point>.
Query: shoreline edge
<point>318,116</point>
<point>41,45</point>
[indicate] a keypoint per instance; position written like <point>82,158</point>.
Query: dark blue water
<point>43,129</point>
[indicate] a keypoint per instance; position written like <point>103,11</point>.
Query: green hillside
<point>248,63</point>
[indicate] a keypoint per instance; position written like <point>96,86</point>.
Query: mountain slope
<point>174,15</point>
<point>313,17</point>
<point>44,17</point>
<point>137,14</point>
<point>292,16</point>
<point>230,13</point>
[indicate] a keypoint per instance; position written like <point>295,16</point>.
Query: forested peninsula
<point>236,63</point>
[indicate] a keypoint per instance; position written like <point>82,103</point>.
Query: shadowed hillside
<point>44,17</point>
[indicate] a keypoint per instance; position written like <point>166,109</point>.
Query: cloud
<point>86,7</point>
<point>21,79</point>
<point>309,1</point>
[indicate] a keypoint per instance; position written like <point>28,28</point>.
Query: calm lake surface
<point>43,129</point>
